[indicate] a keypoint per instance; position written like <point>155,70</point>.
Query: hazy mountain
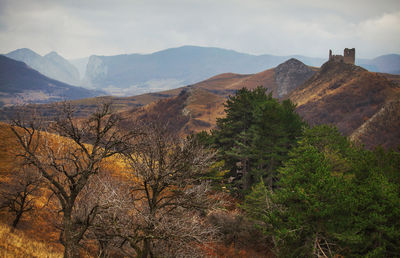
<point>20,84</point>
<point>206,98</point>
<point>80,64</point>
<point>345,95</point>
<point>171,68</point>
<point>52,65</point>
<point>383,64</point>
<point>134,74</point>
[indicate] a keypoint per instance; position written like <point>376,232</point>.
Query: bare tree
<point>18,195</point>
<point>112,198</point>
<point>169,197</point>
<point>68,162</point>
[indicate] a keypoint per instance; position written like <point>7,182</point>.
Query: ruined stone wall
<point>349,55</point>
<point>337,58</point>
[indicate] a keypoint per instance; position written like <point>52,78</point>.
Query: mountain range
<point>134,74</point>
<point>171,68</point>
<point>355,100</point>
<point>361,104</point>
<point>20,84</point>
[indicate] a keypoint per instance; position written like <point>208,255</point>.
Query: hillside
<point>52,65</point>
<point>382,128</point>
<point>20,84</point>
<point>17,244</point>
<point>133,74</point>
<point>37,233</point>
<point>220,87</point>
<point>344,95</point>
<point>198,106</point>
<point>340,94</point>
<point>35,228</point>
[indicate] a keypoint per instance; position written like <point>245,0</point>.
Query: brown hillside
<point>226,84</point>
<point>18,244</point>
<point>193,110</point>
<point>341,94</point>
<point>344,95</point>
<point>291,74</point>
<point>381,129</point>
<point>199,105</point>
<point>38,226</point>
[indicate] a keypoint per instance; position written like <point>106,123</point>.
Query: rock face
<point>52,65</point>
<point>291,74</point>
<point>96,71</point>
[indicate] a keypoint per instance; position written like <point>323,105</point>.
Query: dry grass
<point>17,244</point>
<point>39,224</point>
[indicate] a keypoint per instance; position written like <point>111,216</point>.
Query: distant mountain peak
<point>52,54</point>
<point>52,65</point>
<point>292,61</point>
<point>23,50</point>
<point>22,53</point>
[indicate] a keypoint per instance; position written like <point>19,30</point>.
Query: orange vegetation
<point>18,244</point>
<point>39,225</point>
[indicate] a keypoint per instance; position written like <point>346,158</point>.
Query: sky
<point>80,28</point>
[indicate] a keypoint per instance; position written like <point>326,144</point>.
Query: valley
<point>362,105</point>
<point>174,129</point>
<point>343,95</point>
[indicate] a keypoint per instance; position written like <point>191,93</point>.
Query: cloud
<point>383,31</point>
<point>310,27</point>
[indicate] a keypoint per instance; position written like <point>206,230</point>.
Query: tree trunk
<point>102,248</point>
<point>16,220</point>
<point>71,246</point>
<point>146,252</point>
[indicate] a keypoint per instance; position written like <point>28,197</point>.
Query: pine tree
<point>256,135</point>
<point>333,198</point>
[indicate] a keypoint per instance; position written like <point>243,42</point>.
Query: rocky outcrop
<point>291,74</point>
<point>96,71</point>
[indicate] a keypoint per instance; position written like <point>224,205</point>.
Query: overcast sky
<point>79,28</point>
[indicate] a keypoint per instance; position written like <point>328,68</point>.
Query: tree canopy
<point>333,198</point>
<point>256,135</point>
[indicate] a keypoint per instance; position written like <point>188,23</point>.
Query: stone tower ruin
<point>348,57</point>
